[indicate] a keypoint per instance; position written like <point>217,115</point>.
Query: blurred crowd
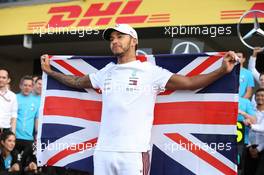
<point>251,115</point>
<point>19,122</point>
<point>19,127</point>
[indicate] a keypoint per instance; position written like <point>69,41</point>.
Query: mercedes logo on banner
<point>256,30</point>
<point>186,48</point>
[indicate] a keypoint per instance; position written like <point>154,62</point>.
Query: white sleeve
<point>252,68</point>
<point>161,77</point>
<point>258,127</point>
<point>97,78</point>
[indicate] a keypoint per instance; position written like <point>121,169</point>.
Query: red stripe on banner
<point>71,107</point>
<point>196,113</point>
<point>158,21</point>
<point>229,17</point>
<point>232,14</point>
<point>232,11</point>
<point>195,149</point>
<point>166,14</point>
<point>131,19</point>
<point>69,67</point>
<point>71,150</point>
<point>158,18</point>
<point>204,65</point>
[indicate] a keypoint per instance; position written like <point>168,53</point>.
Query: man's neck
<point>25,95</point>
<point>126,58</point>
<point>3,89</point>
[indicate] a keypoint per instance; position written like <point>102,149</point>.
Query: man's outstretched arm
<point>69,80</point>
<point>179,82</point>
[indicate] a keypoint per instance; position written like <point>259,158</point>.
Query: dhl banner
<point>139,13</point>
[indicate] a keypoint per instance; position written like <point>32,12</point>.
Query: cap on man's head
<point>122,28</point>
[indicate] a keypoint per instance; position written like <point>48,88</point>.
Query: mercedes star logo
<point>185,48</point>
<point>255,31</point>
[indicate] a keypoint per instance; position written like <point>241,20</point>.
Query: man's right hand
<point>79,82</point>
<point>45,64</point>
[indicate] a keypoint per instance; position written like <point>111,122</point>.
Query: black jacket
<point>15,159</point>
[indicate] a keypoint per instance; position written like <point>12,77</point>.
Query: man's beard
<point>125,49</point>
<point>120,54</point>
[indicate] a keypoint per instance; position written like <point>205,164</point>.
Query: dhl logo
<point>235,14</point>
<point>119,12</point>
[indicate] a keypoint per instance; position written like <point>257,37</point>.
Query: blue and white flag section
<point>194,132</point>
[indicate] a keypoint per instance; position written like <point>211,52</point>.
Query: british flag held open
<point>194,132</point>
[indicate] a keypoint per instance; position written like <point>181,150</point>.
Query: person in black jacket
<point>9,160</point>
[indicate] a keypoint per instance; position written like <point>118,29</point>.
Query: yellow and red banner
<point>100,14</point>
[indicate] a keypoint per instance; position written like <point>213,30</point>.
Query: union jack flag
<point>194,132</point>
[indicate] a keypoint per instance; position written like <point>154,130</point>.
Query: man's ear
<point>135,41</point>
<point>9,80</point>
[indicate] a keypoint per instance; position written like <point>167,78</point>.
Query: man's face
<point>26,87</point>
<point>241,57</point>
<point>4,79</point>
<point>120,43</point>
<point>260,97</point>
<point>261,80</point>
<point>38,87</point>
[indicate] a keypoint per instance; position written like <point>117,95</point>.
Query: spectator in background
<point>9,159</point>
<point>261,85</point>
<point>246,116</point>
<point>254,155</point>
<point>28,106</point>
<point>259,76</point>
<point>34,77</point>
<point>37,86</point>
<point>246,80</point>
<point>8,103</point>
